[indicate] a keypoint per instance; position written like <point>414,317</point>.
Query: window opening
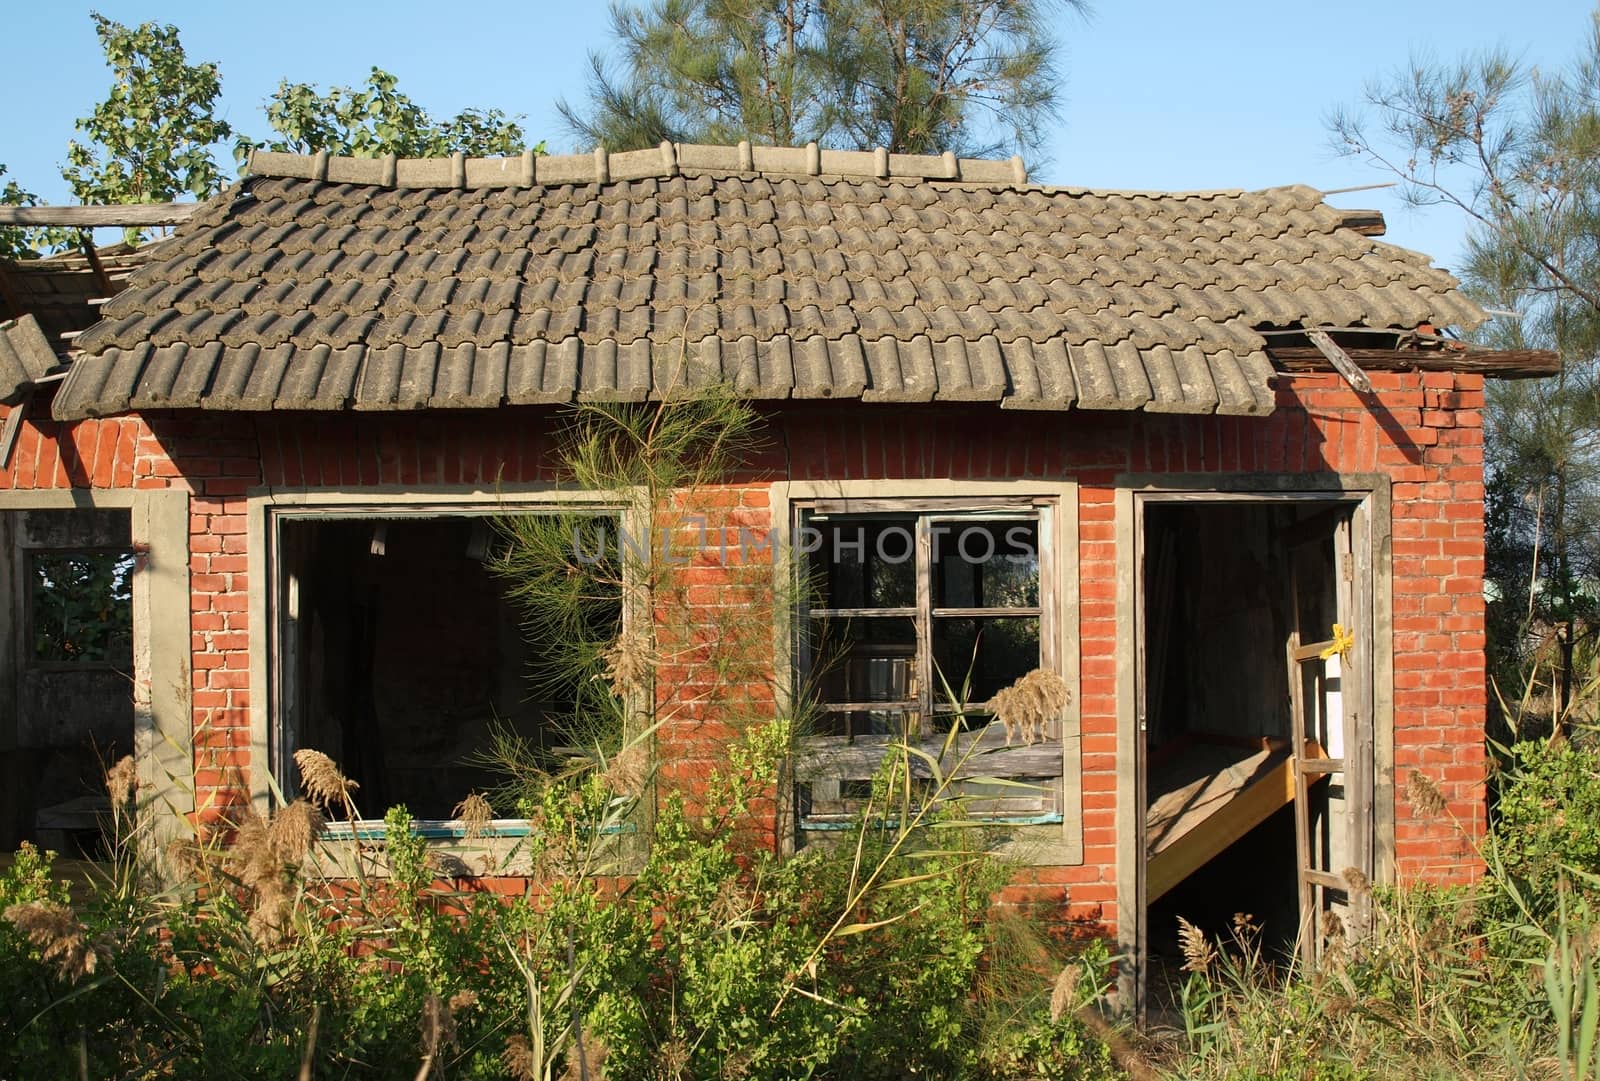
<point>915,619</point>
<point>66,672</point>
<point>81,607</point>
<point>403,657</point>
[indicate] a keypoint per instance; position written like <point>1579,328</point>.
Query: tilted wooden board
<point>1189,826</point>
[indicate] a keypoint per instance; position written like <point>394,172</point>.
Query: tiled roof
<point>330,283</point>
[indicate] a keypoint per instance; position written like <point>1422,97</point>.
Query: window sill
<point>449,830</point>
<point>830,825</point>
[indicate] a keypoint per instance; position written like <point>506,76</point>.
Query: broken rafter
<point>86,243</point>
<point>96,217</point>
<point>12,428</point>
<point>1340,360</point>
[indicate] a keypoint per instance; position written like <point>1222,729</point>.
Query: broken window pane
<point>977,657</point>
<point>867,562</point>
<point>81,607</point>
<point>916,620</point>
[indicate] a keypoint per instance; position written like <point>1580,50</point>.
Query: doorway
<point>1256,732</point>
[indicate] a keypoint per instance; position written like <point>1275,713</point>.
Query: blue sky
<point>1161,95</point>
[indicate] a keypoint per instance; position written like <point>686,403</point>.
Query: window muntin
<point>913,619</point>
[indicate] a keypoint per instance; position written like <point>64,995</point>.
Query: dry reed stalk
<point>1424,796</point>
<point>589,1063</point>
<point>438,1024</point>
<point>1062,994</point>
<point>474,814</point>
<point>186,857</point>
<point>1030,703</point>
<point>323,781</point>
<point>122,782</point>
<point>628,665</point>
<point>628,770</point>
<point>56,930</point>
<point>1198,953</point>
<point>294,830</point>
<point>517,1058</point>
<point>270,917</point>
<point>253,852</point>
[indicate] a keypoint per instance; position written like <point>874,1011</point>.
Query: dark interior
<point>1220,605</point>
<point>405,655</point>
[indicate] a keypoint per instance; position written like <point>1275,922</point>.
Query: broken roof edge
<point>25,357</point>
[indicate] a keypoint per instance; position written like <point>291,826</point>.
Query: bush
<point>870,959</point>
<point>1547,805</point>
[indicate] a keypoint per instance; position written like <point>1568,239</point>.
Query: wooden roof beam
<point>1502,363</point>
<point>1341,361</point>
<point>126,215</point>
<point>86,243</point>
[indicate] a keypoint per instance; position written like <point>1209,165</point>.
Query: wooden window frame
<point>504,848</point>
<point>1041,840</point>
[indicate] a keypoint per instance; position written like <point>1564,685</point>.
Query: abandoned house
<point>1214,458</point>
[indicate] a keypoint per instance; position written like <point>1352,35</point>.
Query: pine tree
<point>915,76</point>
<point>1518,151</point>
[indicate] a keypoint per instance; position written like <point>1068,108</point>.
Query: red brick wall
<point>1424,431</point>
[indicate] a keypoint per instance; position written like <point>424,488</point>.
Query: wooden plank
<point>1312,652</point>
<point>1341,361</point>
<point>983,753</point>
<point>860,613</point>
<point>13,427</point>
<point>988,613</point>
<point>86,243</point>
<point>858,707</point>
<point>96,217</point>
<point>1326,879</point>
<point>962,508</point>
<point>929,688</point>
<point>1299,788</point>
<point>1505,363</point>
<point>1208,837</point>
<point>1356,686</point>
<point>1208,775</point>
<point>1312,767</point>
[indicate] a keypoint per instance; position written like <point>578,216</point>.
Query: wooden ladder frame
<point>1310,765</point>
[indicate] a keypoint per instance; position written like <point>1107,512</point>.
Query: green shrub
<point>1547,808</point>
<point>872,958</point>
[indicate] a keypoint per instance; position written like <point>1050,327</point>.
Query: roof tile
<point>944,279</point>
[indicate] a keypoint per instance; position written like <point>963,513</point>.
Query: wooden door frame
<point>1370,496</point>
